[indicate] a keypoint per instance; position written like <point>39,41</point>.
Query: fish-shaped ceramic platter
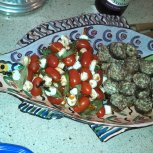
<point>102,30</point>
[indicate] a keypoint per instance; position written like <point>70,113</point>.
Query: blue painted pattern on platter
<point>52,27</point>
<point>74,35</point>
<point>150,45</point>
<point>44,113</point>
<point>121,35</point>
<point>107,35</point>
<point>104,133</point>
<point>136,41</point>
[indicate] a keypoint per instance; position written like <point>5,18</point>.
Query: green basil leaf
<point>20,66</point>
<point>97,67</point>
<point>23,78</point>
<point>42,71</point>
<point>97,104</point>
<point>78,87</point>
<point>28,94</point>
<point>73,46</point>
<point>12,90</point>
<point>7,79</point>
<point>46,52</point>
<point>67,87</point>
<point>66,54</point>
<point>79,91</point>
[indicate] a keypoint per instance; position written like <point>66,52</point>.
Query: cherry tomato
<point>56,47</point>
<point>100,72</point>
<point>84,69</point>
<point>54,100</point>
<point>30,75</point>
<point>90,49</point>
<point>52,60</point>
<point>101,95</point>
<point>83,104</point>
<point>34,58</point>
<point>34,67</point>
<point>70,60</point>
<point>86,59</point>
<point>101,112</point>
<point>37,81</point>
<point>95,57</point>
<point>36,91</point>
<point>53,73</point>
<point>74,77</point>
<point>86,88</point>
<point>82,43</point>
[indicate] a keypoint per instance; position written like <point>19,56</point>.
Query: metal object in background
<point>16,7</point>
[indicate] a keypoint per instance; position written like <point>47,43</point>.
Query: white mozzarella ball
<point>108,109</point>
<point>48,81</point>
<point>63,80</point>
<point>74,91</point>
<point>92,65</point>
<point>93,83</point>
<point>61,52</point>
<point>51,91</point>
<point>84,76</point>
<point>96,77</point>
<point>27,85</point>
<point>71,100</point>
<point>77,65</point>
<point>43,62</point>
<point>16,75</point>
<point>93,94</point>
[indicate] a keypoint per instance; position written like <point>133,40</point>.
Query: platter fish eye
<point>102,30</point>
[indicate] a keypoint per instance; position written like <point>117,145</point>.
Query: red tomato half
<point>74,78</point>
<point>56,47</point>
<point>30,75</point>
<point>53,73</point>
<point>95,57</point>
<point>34,67</point>
<point>83,104</point>
<point>86,88</point>
<point>52,61</point>
<point>84,69</point>
<point>101,112</point>
<point>82,43</point>
<point>70,60</point>
<point>90,49</point>
<point>37,81</point>
<point>36,91</point>
<point>34,58</point>
<point>86,59</point>
<point>54,100</point>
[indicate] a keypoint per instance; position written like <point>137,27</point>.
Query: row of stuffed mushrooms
<point>129,77</point>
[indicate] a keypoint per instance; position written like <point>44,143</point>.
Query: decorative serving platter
<point>101,29</point>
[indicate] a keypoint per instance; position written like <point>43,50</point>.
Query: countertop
<point>63,135</point>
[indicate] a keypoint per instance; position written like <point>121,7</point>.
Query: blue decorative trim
<point>44,113</point>
<point>104,133</point>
